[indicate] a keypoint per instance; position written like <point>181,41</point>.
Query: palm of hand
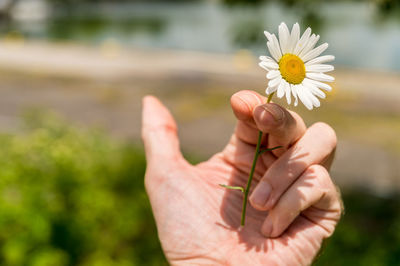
<point>192,204</point>
<point>199,222</point>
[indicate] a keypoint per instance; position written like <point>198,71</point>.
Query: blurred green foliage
<point>88,27</point>
<point>73,197</point>
<point>368,234</point>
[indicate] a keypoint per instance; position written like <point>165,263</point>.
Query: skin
<point>293,207</point>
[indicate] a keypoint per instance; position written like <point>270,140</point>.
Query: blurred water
<point>359,35</point>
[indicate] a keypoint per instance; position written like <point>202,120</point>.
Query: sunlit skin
<point>292,68</point>
<point>198,221</point>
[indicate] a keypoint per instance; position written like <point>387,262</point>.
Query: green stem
<point>253,167</point>
<point>233,187</point>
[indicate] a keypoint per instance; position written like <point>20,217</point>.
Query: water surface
<point>359,35</point>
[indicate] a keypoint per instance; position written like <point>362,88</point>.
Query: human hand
<point>294,204</point>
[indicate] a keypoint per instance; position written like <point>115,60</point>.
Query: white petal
<point>284,37</point>
<point>314,100</point>
<point>294,37</point>
<point>319,77</point>
<point>273,74</point>
<point>272,51</point>
<point>274,82</point>
<point>317,92</point>
<point>314,52</point>
<point>266,58</point>
<point>294,92</point>
<point>302,42</point>
<point>268,65</point>
<point>319,68</point>
<point>268,35</point>
<point>313,89</point>
<point>270,90</point>
<point>309,45</point>
<point>318,84</point>
<point>277,47</point>
<point>304,97</point>
<point>287,92</point>
<point>273,46</point>
<point>262,64</point>
<point>281,89</point>
<point>320,60</point>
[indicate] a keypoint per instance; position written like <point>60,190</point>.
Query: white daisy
<point>295,67</point>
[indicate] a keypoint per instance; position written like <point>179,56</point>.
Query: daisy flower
<point>295,67</point>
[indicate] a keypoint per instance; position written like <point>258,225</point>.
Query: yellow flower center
<point>292,68</point>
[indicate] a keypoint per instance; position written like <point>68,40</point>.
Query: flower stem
<point>253,167</point>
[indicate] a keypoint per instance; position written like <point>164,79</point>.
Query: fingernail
<point>276,112</point>
<point>266,229</point>
<point>261,194</point>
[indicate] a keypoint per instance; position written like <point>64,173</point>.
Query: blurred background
<point>72,75</point>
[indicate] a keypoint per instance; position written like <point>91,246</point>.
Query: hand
<point>294,204</point>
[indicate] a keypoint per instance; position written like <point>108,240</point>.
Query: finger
<point>313,148</point>
<point>159,132</point>
<point>283,127</point>
<point>313,191</point>
<point>327,163</point>
<point>243,104</point>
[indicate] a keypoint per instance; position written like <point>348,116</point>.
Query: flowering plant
<point>296,69</point>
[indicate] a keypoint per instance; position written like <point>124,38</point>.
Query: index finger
<point>282,127</point>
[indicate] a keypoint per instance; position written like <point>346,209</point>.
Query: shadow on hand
<point>231,208</point>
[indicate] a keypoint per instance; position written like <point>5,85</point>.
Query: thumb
<point>283,126</point>
<point>159,132</point>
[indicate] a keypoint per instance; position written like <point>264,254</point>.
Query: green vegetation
<point>368,234</point>
<point>72,196</point>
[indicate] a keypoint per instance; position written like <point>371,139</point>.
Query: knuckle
<point>327,132</point>
<point>317,169</point>
<point>321,175</point>
<point>330,190</point>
